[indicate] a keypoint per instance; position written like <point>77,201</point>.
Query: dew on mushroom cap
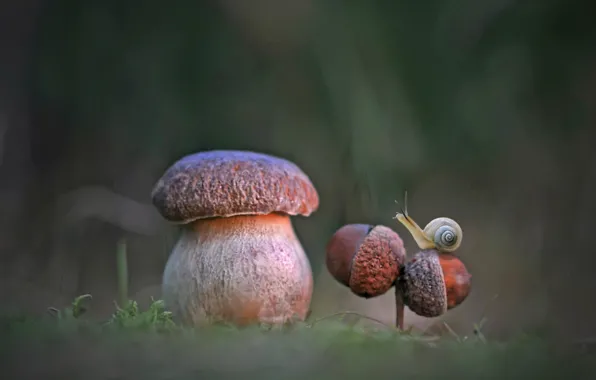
<point>238,257</point>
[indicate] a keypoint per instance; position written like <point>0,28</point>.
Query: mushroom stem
<point>399,308</point>
<point>240,269</point>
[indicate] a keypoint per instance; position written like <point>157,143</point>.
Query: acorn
<point>434,282</point>
<point>365,258</point>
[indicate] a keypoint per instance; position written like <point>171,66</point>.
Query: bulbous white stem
<point>241,269</point>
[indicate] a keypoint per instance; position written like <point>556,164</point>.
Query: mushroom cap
<point>365,258</point>
<point>223,183</point>
<point>434,282</point>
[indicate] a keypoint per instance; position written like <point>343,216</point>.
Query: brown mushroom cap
<point>226,183</point>
<point>365,258</point>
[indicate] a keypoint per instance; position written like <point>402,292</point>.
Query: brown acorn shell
<point>341,249</point>
<point>434,282</point>
<point>365,258</point>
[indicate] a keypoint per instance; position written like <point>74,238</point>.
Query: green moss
<point>148,344</point>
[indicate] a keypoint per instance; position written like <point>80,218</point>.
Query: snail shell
<point>445,233</point>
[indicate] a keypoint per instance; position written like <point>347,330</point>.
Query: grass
<point>148,344</point>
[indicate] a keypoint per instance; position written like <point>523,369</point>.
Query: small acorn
<point>365,258</point>
<point>433,282</point>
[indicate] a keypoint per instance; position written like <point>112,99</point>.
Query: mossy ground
<point>148,345</point>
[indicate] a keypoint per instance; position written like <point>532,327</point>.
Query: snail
<point>434,280</point>
<point>365,258</point>
<point>442,234</point>
<point>371,259</point>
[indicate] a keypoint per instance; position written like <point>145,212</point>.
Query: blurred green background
<point>484,111</point>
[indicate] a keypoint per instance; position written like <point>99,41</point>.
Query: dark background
<point>484,111</point>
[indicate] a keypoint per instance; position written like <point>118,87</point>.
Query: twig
<point>451,331</point>
<point>399,308</point>
<point>343,313</point>
<point>122,268</point>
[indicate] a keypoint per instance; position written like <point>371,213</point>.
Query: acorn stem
<point>399,308</point>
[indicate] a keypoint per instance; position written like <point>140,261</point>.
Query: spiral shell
<point>446,234</point>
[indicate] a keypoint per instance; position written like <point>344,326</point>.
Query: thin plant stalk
<point>122,272</point>
<point>399,308</point>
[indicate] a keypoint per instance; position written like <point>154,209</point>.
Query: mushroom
<point>238,259</point>
<point>367,259</point>
<point>434,280</point>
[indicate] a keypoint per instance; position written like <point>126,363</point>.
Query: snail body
<point>365,258</point>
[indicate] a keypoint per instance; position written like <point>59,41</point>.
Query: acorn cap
<point>365,258</point>
<point>225,183</point>
<point>434,282</point>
